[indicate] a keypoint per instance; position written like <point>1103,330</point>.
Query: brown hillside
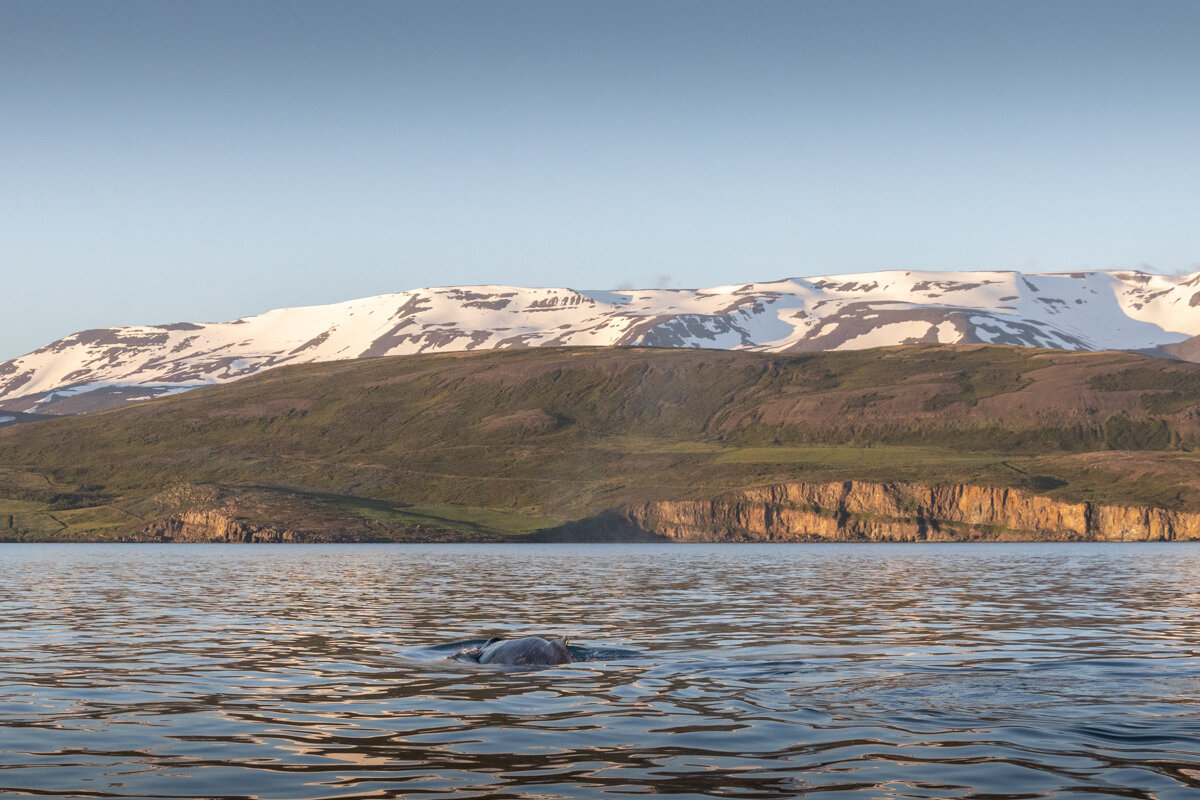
<point>507,442</point>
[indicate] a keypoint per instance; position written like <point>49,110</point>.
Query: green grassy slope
<point>506,442</point>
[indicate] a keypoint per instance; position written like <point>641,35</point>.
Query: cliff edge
<point>887,512</point>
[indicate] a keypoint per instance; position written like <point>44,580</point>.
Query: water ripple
<point>1015,671</point>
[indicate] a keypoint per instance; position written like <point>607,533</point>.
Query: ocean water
<point>747,671</point>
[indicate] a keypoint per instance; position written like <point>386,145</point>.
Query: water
<point>756,671</point>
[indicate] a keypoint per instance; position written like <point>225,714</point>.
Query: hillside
<point>497,443</point>
<point>1119,310</point>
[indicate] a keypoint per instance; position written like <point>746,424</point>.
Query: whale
<point>526,651</point>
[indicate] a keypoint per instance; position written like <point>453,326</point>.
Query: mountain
<point>499,443</point>
<point>1117,310</point>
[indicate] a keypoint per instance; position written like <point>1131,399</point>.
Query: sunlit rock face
<point>854,510</point>
<point>1116,310</point>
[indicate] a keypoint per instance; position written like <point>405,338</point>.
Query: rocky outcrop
<point>208,513</point>
<point>218,526</point>
<point>213,526</point>
<point>900,512</point>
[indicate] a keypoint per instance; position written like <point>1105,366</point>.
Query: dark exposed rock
<point>316,341</point>
<point>180,326</point>
<point>608,526</point>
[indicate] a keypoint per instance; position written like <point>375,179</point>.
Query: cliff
<point>208,525</point>
<point>791,512</point>
<point>894,512</point>
<point>191,513</point>
<point>212,526</point>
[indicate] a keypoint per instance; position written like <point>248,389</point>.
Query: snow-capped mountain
<point>1116,310</point>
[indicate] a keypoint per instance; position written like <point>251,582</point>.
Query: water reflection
<point>742,671</point>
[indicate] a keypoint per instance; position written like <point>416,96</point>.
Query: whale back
<point>529,650</point>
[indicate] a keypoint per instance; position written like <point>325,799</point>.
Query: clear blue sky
<point>164,161</point>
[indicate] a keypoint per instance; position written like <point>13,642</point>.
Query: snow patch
<point>947,333</point>
<point>889,334</point>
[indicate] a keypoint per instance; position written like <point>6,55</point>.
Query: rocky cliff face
<point>902,512</point>
<point>212,526</point>
<point>793,512</point>
<point>204,513</point>
<point>218,526</point>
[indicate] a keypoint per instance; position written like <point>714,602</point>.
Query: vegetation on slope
<point>506,442</point>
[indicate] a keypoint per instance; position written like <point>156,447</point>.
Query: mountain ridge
<point>1094,310</point>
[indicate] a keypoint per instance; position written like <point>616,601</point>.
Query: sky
<point>166,161</point>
